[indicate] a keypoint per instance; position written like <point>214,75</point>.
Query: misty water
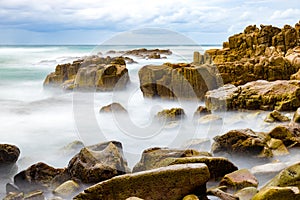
<point>41,122</point>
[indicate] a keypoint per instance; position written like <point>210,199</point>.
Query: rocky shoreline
<point>256,70</point>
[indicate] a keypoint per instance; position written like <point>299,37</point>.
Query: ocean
<point>41,122</point>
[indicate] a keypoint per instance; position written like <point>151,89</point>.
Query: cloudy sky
<point>94,21</point>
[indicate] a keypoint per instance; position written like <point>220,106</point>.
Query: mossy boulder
<point>281,95</point>
<point>98,162</point>
<point>157,157</point>
<point>166,183</point>
<point>278,193</point>
<point>276,116</point>
<point>173,114</point>
<point>288,134</point>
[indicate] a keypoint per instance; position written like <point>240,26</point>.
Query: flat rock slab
<point>169,183</point>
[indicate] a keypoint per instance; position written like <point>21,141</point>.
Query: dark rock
<point>9,154</point>
<point>113,107</point>
<point>166,183</point>
<point>37,177</point>
<point>98,162</point>
<point>201,111</point>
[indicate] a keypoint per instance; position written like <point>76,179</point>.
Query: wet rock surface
<point>174,81</point>
<point>98,162</point>
<point>92,73</point>
<point>172,183</point>
<point>281,95</point>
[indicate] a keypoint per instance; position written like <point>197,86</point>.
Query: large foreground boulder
<point>281,95</point>
<point>97,73</point>
<point>174,81</point>
<point>166,183</point>
<point>98,162</point>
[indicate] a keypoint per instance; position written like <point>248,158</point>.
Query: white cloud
<point>189,16</point>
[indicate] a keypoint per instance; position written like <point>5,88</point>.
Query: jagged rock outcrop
<point>143,53</point>
<point>174,81</point>
<point>98,162</point>
<point>102,74</point>
<point>165,183</point>
<point>267,53</point>
<point>281,95</point>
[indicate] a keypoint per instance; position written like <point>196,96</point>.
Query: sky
<point>96,21</point>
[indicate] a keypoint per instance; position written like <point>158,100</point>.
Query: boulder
<point>288,134</point>
<point>242,142</point>
<point>98,162</point>
<point>113,107</point>
<point>201,111</point>
<point>9,154</point>
<point>157,157</point>
<point>166,183</point>
<point>177,81</point>
<point>246,193</point>
<point>97,73</point>
<point>276,116</point>
<point>239,179</point>
<point>289,176</point>
<point>173,114</point>
<point>281,95</point>
<point>278,193</point>
<point>39,176</point>
<point>296,117</point>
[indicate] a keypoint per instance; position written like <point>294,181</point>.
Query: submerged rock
<point>113,107</point>
<point>177,81</point>
<point>276,116</point>
<point>98,162</point>
<point>281,95</point>
<point>201,111</point>
<point>166,183</point>
<point>9,154</point>
<point>173,114</point>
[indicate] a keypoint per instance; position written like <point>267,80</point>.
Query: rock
<point>98,162</point>
<point>67,189</point>
<point>278,193</point>
<point>190,197</point>
<point>296,117</point>
<point>102,74</point>
<point>173,114</point>
<point>201,111</point>
<point>288,134</point>
<point>35,195</point>
<point>177,181</point>
<point>72,147</point>
<point>243,142</point>
<point>281,95</point>
<point>293,55</point>
<point>39,176</point>
<point>277,147</point>
<point>157,157</point>
<point>211,118</point>
<point>143,53</point>
<point>296,76</point>
<point>290,176</point>
<point>239,179</point>
<point>9,154</point>
<point>276,116</point>
<point>177,81</point>
<point>113,107</point>
<point>246,193</point>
